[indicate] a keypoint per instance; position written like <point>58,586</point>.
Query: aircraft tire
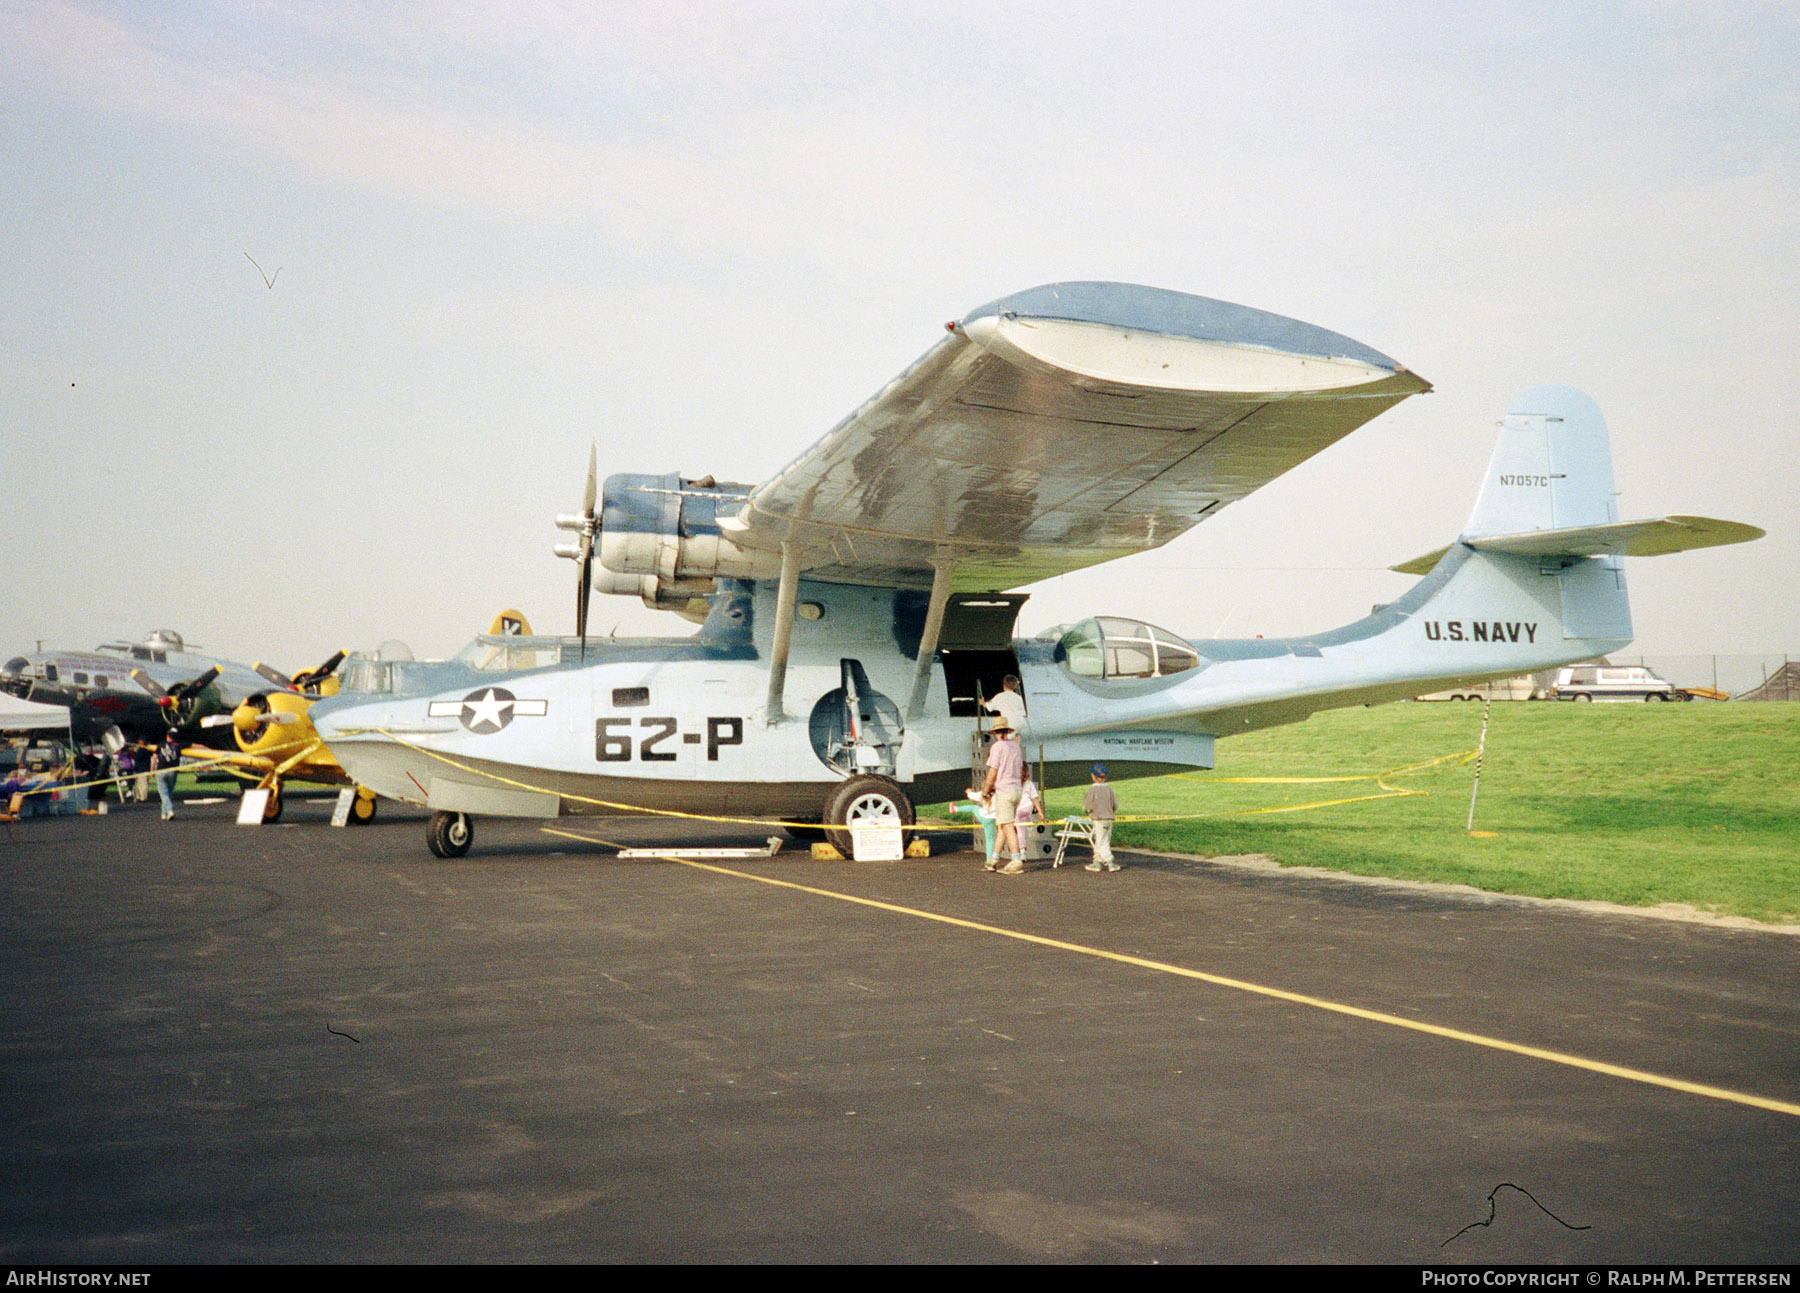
<point>450,834</point>
<point>362,808</point>
<point>272,806</point>
<point>870,800</point>
<point>1586,697</point>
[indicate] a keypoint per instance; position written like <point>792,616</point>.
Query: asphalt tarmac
<point>300,1044</point>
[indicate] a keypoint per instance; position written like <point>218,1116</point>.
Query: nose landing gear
<point>362,808</point>
<point>450,834</point>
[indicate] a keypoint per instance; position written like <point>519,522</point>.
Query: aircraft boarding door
<point>976,647</point>
<point>645,730</point>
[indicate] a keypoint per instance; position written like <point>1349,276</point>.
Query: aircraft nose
<point>12,676</point>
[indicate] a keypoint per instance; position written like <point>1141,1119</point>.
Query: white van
<point>1613,682</point>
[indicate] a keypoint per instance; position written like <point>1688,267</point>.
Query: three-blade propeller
<point>177,702</point>
<point>307,680</point>
<point>587,526</point>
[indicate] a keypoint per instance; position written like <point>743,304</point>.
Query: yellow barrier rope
<point>1441,763</point>
<point>1438,764</point>
<point>224,758</point>
<point>635,810</point>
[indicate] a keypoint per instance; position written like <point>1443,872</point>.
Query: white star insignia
<point>487,712</point>
<point>495,713</point>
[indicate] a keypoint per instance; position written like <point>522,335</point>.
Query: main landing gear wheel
<point>450,834</point>
<point>272,805</point>
<point>362,808</point>
<point>864,801</point>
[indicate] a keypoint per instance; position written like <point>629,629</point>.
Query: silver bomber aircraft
<point>142,688</point>
<point>857,605</point>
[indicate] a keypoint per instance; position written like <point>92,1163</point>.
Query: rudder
<point>1551,470</point>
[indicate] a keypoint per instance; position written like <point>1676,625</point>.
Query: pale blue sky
<point>704,235</point>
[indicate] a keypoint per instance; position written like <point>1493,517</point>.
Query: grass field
<point>1637,804</point>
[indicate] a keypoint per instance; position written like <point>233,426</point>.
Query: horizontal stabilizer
<point>1620,538</point>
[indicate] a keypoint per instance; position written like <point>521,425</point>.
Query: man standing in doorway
<point>1009,704</point>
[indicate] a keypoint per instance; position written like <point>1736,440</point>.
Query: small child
<point>1102,805</point>
<point>1031,808</point>
<point>985,817</point>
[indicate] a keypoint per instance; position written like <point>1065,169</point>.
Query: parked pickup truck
<point>1614,682</point>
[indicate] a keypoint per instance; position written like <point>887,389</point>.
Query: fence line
<point>1737,674</point>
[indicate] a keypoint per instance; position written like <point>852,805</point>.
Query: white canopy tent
<point>28,715</point>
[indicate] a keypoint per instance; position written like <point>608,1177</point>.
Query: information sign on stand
<point>251,807</point>
<point>877,843</point>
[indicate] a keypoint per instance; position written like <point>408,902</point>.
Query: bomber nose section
<point>12,677</point>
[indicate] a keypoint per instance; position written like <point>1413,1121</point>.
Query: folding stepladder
<point>1074,828</point>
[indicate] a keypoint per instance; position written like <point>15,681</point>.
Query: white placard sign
<point>877,843</point>
<point>340,816</point>
<point>251,807</point>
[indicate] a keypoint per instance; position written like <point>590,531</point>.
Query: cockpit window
<point>1108,647</point>
<point>365,674</point>
<point>507,652</point>
<point>15,676</point>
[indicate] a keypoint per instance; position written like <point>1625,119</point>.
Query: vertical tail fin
<point>1552,469</point>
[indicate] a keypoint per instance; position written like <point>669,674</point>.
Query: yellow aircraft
<point>277,742</point>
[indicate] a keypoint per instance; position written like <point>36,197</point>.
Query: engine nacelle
<point>686,597</point>
<point>668,527</point>
<point>274,724</point>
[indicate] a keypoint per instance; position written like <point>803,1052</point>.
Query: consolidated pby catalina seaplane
<point>857,606</point>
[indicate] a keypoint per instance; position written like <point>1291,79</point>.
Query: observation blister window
<point>1109,647</point>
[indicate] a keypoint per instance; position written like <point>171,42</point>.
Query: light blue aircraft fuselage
<point>856,611</point>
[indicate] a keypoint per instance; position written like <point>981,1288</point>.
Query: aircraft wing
<point>203,757</point>
<point>1062,427</point>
